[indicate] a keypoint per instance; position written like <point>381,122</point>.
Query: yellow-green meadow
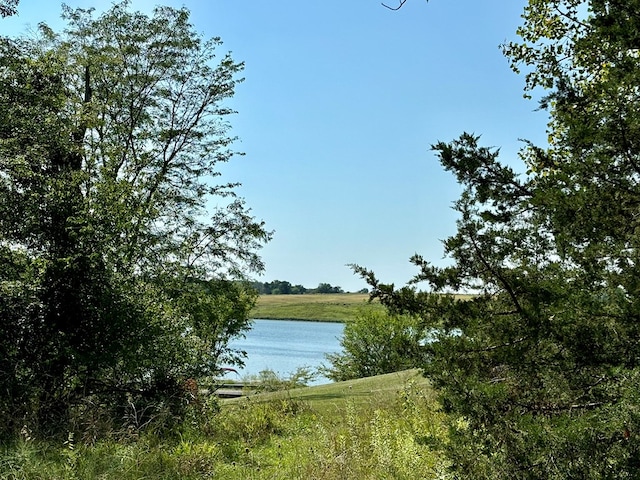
<point>336,307</point>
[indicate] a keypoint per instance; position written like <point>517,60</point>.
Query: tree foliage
<point>278,287</point>
<point>376,343</point>
<point>543,379</point>
<point>327,288</point>
<point>116,270</point>
<point>8,7</point>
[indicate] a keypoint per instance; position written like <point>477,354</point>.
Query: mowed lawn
<point>333,307</point>
<point>331,398</point>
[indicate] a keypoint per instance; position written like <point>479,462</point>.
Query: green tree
<point>298,290</point>
<point>540,370</point>
<point>327,288</point>
<point>280,287</point>
<point>115,272</point>
<point>376,343</point>
<point>8,7</point>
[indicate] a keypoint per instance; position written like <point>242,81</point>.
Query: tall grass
<point>391,433</point>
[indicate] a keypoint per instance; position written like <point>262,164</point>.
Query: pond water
<point>285,345</point>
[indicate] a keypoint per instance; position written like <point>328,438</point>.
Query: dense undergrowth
<point>391,433</point>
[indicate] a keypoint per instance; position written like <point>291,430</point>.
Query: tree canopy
<point>118,275</point>
<point>280,287</point>
<point>8,7</point>
<point>540,371</point>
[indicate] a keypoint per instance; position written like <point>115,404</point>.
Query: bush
<point>376,343</point>
<point>269,381</point>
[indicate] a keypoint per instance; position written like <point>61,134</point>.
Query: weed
<point>395,432</point>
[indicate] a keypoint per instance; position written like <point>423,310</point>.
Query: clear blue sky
<point>341,102</point>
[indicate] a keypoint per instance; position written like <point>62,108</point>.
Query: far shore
<point>283,319</point>
<point>316,307</point>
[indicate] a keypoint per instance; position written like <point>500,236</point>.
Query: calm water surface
<point>285,345</point>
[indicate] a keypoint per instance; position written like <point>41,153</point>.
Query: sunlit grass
<point>380,427</point>
<point>319,307</point>
<point>332,397</point>
<point>332,307</point>
<point>389,426</point>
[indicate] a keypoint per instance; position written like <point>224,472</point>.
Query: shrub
<point>376,343</point>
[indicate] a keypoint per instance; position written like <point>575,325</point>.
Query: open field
<point>335,307</point>
<point>332,307</point>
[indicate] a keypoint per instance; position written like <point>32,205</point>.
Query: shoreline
<point>313,320</point>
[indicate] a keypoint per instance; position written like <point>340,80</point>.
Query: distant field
<point>335,307</point>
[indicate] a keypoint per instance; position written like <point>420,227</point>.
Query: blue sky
<point>341,102</point>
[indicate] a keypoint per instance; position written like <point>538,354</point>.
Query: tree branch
<point>402,2</point>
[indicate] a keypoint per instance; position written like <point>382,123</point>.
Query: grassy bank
<point>336,307</point>
<point>331,398</point>
<point>381,427</point>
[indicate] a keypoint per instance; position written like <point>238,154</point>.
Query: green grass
<point>388,426</point>
<point>331,307</point>
<point>338,307</point>
<point>331,398</point>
